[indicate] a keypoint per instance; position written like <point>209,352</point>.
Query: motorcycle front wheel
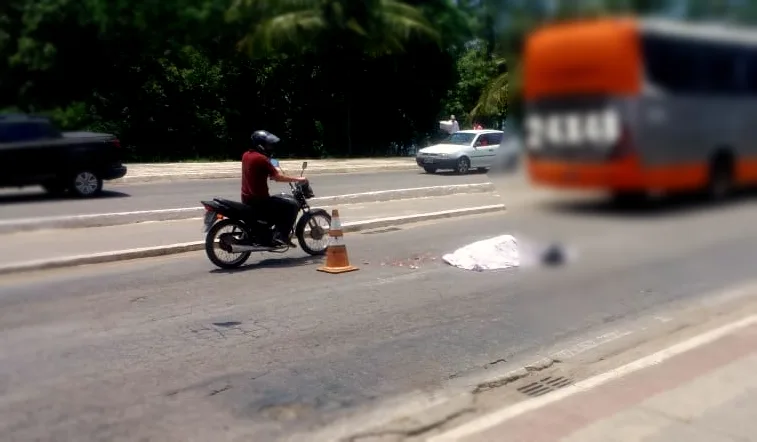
<point>217,238</point>
<point>312,232</point>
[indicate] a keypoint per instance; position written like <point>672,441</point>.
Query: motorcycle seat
<point>242,210</point>
<point>233,204</point>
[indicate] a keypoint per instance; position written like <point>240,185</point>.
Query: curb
<point>430,414</point>
<point>120,218</point>
<point>172,249</point>
<point>235,173</point>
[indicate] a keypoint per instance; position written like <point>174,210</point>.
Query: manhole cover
<point>544,386</point>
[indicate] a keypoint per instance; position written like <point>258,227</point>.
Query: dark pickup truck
<point>34,152</point>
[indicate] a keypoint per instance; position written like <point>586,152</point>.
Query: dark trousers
<point>281,212</point>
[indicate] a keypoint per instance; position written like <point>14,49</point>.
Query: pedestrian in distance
<point>455,124</point>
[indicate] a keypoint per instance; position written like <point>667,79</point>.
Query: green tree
<point>475,70</point>
<point>169,79</point>
<point>375,27</point>
<point>341,32</point>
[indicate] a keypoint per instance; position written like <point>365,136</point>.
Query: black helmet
<point>263,141</point>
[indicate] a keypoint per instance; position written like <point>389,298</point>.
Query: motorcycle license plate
<point>210,217</point>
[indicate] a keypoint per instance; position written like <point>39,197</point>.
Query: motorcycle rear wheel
<point>211,248</point>
<point>313,219</point>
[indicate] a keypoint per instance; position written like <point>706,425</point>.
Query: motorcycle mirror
<point>304,165</point>
<point>274,162</point>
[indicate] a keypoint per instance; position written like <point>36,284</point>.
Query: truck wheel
<point>86,184</point>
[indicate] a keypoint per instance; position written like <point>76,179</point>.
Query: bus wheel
<point>720,183</point>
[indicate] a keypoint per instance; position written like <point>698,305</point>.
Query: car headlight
<point>443,155</point>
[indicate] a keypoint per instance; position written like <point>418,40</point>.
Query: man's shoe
<point>284,242</point>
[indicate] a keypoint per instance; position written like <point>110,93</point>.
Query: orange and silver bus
<point>635,106</point>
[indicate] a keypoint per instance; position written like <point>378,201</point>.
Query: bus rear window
<point>692,66</point>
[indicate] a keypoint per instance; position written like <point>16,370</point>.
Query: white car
<point>465,150</point>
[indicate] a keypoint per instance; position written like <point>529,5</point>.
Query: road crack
<point>413,427</point>
<point>220,390</point>
<point>498,361</point>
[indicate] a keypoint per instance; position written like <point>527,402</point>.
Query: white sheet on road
<point>496,253</point>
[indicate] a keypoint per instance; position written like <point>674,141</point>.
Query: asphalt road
<point>169,349</point>
<point>33,202</point>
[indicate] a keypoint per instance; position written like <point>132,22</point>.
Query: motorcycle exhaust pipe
<point>239,248</point>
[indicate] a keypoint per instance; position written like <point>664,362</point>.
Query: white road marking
<point>590,344</point>
<point>498,417</point>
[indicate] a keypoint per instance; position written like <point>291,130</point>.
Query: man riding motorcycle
<point>256,170</point>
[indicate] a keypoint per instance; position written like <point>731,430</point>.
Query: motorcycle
<point>249,233</point>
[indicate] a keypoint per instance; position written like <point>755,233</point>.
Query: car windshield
<point>459,138</point>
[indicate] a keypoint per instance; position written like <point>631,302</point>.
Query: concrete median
<point>120,218</point>
<point>170,249</point>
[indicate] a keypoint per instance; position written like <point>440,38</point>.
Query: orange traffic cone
<point>337,260</point>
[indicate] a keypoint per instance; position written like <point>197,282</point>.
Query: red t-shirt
<point>256,169</point>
